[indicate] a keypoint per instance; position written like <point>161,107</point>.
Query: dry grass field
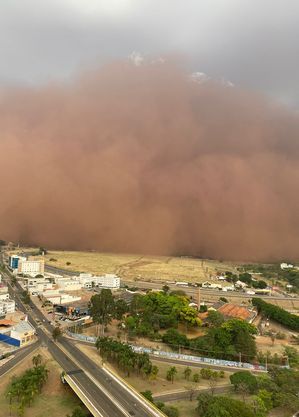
<point>136,267</point>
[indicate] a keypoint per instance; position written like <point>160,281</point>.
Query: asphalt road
<point>185,395</point>
<point>19,355</point>
<point>113,400</point>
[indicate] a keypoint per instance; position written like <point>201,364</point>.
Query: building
<point>208,284</point>
<point>32,267</point>
<point>13,261</point>
<point>23,332</point>
<point>68,284</point>
<point>284,265</point>
<point>234,311</point>
<point>7,306</point>
<point>105,281</point>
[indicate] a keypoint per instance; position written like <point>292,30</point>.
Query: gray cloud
<point>252,43</point>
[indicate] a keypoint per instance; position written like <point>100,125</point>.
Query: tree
<point>220,406</point>
<point>215,318</point>
<point>171,374</point>
<point>120,309</point>
<point>246,378</point>
<point>37,360</point>
<point>77,412</point>
<point>187,373</point>
<point>174,338</point>
<point>188,315</point>
<point>165,289</point>
<point>56,333</point>
<point>148,395</point>
<point>196,377</point>
<point>102,308</point>
<point>213,381</point>
<point>26,297</point>
<point>266,398</point>
<point>192,390</point>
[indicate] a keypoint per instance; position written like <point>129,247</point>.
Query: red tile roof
<point>235,311</point>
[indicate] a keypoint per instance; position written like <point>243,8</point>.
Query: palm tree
<point>37,360</point>
<point>171,374</point>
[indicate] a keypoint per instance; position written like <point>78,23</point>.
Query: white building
<point>68,284</point>
<point>4,296</point>
<point>7,306</point>
<point>31,267</point>
<point>208,284</point>
<point>104,281</point>
<point>62,298</point>
<point>284,265</point>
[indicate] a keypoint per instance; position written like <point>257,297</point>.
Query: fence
<point>178,356</point>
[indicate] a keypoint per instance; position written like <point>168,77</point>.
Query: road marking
<point>95,381</point>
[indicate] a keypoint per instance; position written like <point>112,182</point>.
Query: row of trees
<point>23,389</point>
<point>125,358</point>
<point>277,313</point>
<point>226,340</point>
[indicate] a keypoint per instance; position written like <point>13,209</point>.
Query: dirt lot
<point>139,267</point>
<point>56,399</point>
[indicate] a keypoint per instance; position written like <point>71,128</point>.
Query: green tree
<point>26,297</point>
<point>189,316</point>
<point>244,377</point>
<point>196,377</point>
<point>148,395</point>
<point>215,318</point>
<point>171,374</point>
<point>77,412</point>
<point>187,373</point>
<point>102,308</point>
<point>37,360</point>
<point>165,289</point>
<point>120,309</point>
<point>56,333</point>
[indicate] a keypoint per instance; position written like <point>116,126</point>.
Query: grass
<point>56,399</point>
<point>136,267</point>
<point>186,408</point>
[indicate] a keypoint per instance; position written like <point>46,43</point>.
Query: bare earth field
<point>136,267</point>
<point>56,399</point>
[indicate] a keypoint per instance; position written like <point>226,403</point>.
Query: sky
<point>251,43</point>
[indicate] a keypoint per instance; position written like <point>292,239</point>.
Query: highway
<point>107,395</point>
<point>191,291</point>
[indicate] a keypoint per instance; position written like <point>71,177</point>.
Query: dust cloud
<point>140,159</point>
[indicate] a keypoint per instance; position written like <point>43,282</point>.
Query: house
<point>234,311</point>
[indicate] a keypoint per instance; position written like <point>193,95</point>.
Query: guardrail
<point>178,356</point>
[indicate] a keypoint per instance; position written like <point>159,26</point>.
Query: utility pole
<point>240,359</point>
